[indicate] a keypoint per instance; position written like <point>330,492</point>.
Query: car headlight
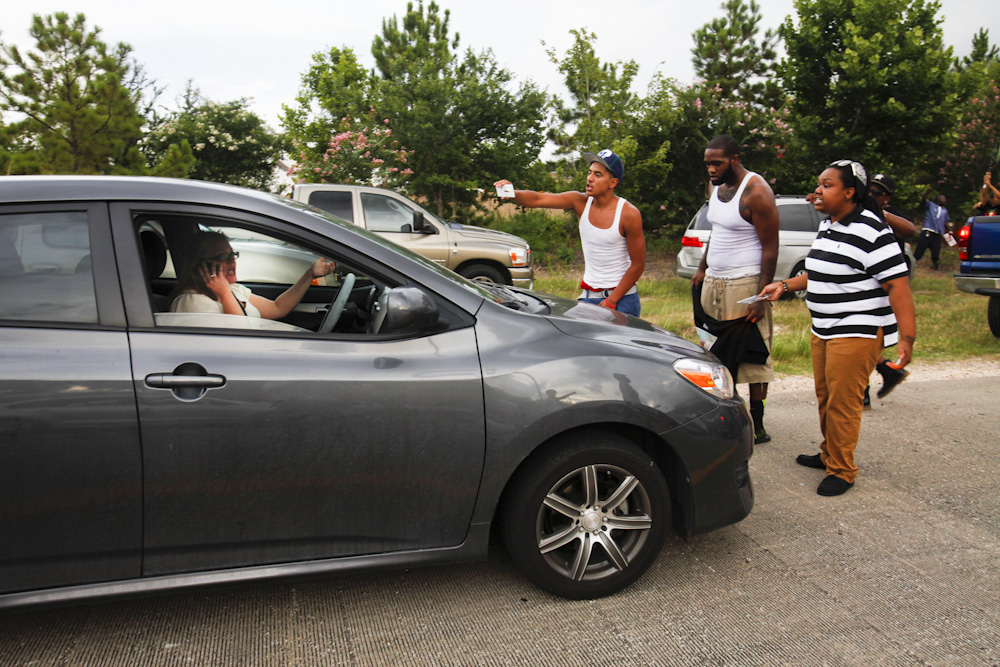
<point>711,376</point>
<point>520,256</point>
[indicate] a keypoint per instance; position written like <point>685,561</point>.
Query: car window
<point>797,216</point>
<point>266,266</point>
<point>700,220</point>
<point>338,203</point>
<point>46,273</point>
<point>386,214</point>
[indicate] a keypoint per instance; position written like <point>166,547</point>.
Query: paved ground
<point>901,570</point>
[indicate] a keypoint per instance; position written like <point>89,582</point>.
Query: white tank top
<point>734,250</point>
<point>605,252</point>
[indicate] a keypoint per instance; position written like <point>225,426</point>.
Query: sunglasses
<point>856,168</point>
<point>224,257</point>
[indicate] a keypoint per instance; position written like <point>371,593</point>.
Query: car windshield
<point>354,229</point>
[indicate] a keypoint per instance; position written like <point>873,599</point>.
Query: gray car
<point>393,419</point>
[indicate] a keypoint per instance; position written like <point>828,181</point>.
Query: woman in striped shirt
<point>858,294</point>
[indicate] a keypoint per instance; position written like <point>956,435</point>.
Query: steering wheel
<point>337,305</point>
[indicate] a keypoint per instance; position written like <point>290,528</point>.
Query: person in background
<point>740,259</point>
<point>858,293</point>
<point>883,188</point>
<point>935,226</point>
<point>614,248</point>
<point>989,198</point>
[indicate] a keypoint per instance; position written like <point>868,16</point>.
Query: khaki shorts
<point>719,298</point>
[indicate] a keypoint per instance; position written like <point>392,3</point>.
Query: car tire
<point>482,272</point>
<point>798,270</point>
<point>993,315</point>
<point>552,521</point>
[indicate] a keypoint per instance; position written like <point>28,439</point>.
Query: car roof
<point>30,189</point>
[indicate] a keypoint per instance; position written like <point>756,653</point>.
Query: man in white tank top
<point>614,248</point>
<point>740,258</point>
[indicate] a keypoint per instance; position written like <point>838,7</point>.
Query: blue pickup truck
<point>979,273</point>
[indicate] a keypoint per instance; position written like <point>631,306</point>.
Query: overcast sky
<point>259,49</point>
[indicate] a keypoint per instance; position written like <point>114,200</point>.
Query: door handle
<point>188,382</point>
<point>171,381</point>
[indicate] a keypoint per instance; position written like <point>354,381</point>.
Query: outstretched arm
<point>567,201</point>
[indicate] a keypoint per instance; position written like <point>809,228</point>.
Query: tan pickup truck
<point>473,252</point>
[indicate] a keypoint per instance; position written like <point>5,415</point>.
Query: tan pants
<point>841,368</point>
<point>719,297</point>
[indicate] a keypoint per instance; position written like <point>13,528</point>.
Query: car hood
<point>481,233</point>
<point>584,320</point>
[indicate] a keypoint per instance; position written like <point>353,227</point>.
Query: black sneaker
<point>810,461</point>
<point>833,486</point>
<point>760,437</point>
<point>890,378</point>
<point>866,403</point>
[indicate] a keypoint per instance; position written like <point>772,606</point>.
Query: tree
<point>230,143</point>
<point>599,113</point>
<point>976,145</point>
<point>334,89</point>
<point>869,80</point>
<point>76,111</point>
<point>461,121</point>
<point>982,51</point>
<point>668,181</point>
<point>361,153</point>
<point>728,55</point>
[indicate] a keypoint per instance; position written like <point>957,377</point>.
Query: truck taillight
<point>691,242</point>
<point>963,242</point>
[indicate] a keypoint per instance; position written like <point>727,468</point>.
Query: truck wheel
<point>482,272</point>
<point>993,315</point>
<point>588,518</point>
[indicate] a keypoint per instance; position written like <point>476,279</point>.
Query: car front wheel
<point>482,272</point>
<point>587,518</point>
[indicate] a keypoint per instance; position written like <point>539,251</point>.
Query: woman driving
<point>208,282</point>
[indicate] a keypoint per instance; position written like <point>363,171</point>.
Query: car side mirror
<point>418,221</point>
<point>409,309</point>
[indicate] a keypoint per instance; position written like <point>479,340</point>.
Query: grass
<point>951,325</point>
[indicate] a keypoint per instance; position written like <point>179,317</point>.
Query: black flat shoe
<point>810,461</point>
<point>760,437</point>
<point>833,486</point>
<point>890,378</point>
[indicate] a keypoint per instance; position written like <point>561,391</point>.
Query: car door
<point>269,446</point>
<point>70,460</point>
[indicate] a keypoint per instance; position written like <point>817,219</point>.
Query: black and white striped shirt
<point>847,265</point>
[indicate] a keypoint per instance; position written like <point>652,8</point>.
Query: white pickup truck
<point>472,252</point>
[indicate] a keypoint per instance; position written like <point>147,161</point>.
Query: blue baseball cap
<point>612,162</point>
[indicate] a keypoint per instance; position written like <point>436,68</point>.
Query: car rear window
<point>335,202</point>
<point>797,216</point>
<point>700,220</point>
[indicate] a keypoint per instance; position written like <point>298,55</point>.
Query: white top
<point>605,251</point>
<point>734,250</point>
<point>193,302</point>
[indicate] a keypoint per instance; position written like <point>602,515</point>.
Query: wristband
<point>784,286</point>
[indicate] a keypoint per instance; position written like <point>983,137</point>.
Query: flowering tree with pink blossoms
<point>361,152</point>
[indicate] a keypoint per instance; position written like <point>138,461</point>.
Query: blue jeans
<point>629,304</point>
